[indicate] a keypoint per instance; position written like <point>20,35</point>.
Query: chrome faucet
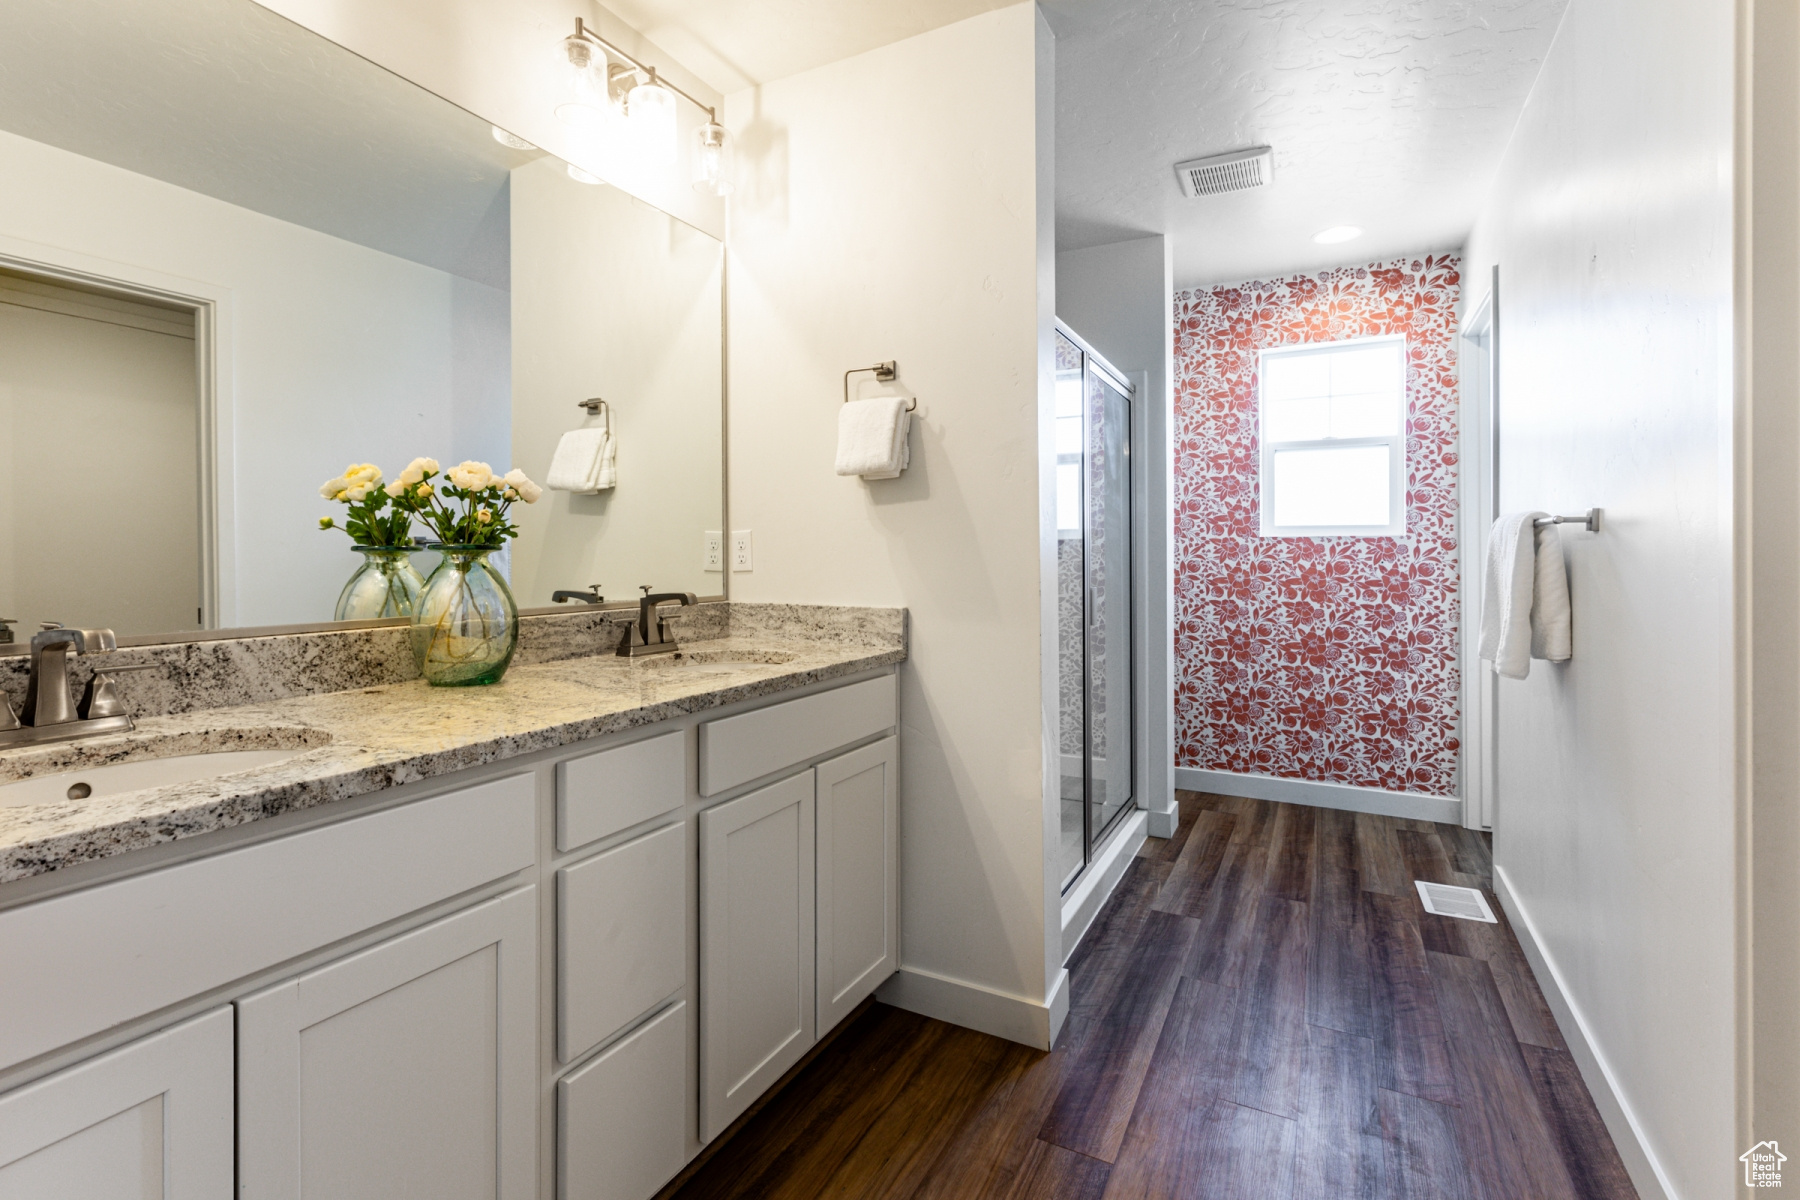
<point>51,714</point>
<point>591,596</point>
<point>649,634</point>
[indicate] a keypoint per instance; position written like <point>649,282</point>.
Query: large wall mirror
<point>235,257</point>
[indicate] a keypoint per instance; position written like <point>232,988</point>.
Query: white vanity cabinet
<point>858,819</point>
<point>404,1070</point>
<point>151,1120</point>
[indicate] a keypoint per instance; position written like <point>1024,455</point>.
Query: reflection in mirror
<point>236,258</point>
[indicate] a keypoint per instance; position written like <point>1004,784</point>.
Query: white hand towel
<point>1525,598</point>
<point>1550,638</point>
<point>872,437</point>
<point>576,465</point>
<point>1507,594</point>
<point>608,474</point>
<point>905,451</point>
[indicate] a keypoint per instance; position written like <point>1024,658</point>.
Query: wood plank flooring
<point>1262,1011</point>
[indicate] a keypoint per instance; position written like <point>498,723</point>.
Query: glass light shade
<point>581,96</point>
<point>715,166</point>
<point>650,113</point>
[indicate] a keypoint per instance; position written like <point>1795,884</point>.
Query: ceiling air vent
<point>1231,172</point>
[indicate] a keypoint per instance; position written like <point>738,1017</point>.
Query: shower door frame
<point>1092,840</point>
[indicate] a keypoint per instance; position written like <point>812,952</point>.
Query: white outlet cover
<point>712,554</point>
<point>741,559</point>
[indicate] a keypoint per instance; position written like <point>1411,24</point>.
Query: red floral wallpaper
<point>1326,658</point>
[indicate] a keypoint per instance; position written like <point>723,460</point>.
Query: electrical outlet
<point>740,550</point>
<point>713,557</point>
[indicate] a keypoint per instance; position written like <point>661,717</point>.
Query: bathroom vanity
<point>544,939</point>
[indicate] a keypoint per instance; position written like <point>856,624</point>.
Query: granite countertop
<point>359,741</point>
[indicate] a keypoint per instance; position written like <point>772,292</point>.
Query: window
<point>1068,452</point>
<point>1334,438</point>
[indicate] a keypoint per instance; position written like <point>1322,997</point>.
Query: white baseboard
<point>1321,795</point>
<point>1090,893</point>
<point>1015,1018</point>
<point>1640,1162</point>
<point>1162,824</point>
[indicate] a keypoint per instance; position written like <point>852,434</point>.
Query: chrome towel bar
<point>1591,521</point>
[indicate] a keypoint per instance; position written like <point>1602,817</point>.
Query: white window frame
<point>1266,448</point>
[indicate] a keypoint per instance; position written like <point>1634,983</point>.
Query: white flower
<point>397,488</point>
<point>364,474</point>
<point>357,494</point>
<point>418,469</point>
<point>333,488</point>
<point>528,491</point>
<point>472,476</point>
<point>485,516</point>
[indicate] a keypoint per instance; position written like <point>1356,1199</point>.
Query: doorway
<point>1095,648</point>
<point>1479,368</point>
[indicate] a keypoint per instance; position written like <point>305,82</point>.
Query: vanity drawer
<point>81,963</point>
<point>600,794</point>
<point>748,746</point>
<point>622,1119</point>
<point>621,937</point>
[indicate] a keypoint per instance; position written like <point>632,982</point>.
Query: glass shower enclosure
<point>1094,600</point>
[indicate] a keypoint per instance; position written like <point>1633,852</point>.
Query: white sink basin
<point>111,780</point>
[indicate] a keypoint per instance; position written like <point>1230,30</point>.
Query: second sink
<point>85,783</point>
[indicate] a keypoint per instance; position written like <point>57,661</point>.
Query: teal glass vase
<point>385,586</point>
<point>465,626</point>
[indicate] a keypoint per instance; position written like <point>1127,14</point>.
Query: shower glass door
<point>1093,505</point>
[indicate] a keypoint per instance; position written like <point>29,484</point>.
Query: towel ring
<point>885,372</point>
<point>1591,519</point>
<point>600,407</point>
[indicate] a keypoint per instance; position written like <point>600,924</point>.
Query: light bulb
<point>714,161</point>
<point>650,112</point>
<point>581,176</point>
<point>582,95</point>
<point>1337,233</point>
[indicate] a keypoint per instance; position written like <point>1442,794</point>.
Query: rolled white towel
<point>576,465</point>
<point>872,437</point>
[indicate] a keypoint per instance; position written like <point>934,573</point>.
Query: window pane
<point>1367,369</point>
<point>1287,376</point>
<point>1300,420</point>
<point>1068,496</point>
<point>1332,487</point>
<point>1068,434</point>
<point>1375,415</point>
<point>1068,397</point>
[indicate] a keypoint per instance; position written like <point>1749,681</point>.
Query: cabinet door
<point>622,1119</point>
<point>756,945</point>
<point>859,889</point>
<point>408,1069</point>
<point>150,1119</point>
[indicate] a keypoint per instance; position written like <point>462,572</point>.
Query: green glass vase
<point>465,625</point>
<point>385,586</point>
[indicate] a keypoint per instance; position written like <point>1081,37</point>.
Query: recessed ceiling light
<point>1337,233</point>
<point>506,138</point>
<point>581,176</point>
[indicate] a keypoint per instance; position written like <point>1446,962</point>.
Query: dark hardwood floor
<point>1262,1011</point>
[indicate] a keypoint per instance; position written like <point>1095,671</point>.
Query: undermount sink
<point>84,783</point>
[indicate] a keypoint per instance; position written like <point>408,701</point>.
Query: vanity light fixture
<point>649,108</point>
<point>714,165</point>
<point>582,99</point>
<point>1337,233</point>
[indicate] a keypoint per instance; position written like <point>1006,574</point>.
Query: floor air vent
<point>1446,901</point>
<point>1231,172</point>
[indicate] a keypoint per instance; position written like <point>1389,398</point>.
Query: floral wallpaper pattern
<point>1320,658</point>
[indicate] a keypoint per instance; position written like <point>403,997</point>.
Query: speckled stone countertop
<point>354,742</point>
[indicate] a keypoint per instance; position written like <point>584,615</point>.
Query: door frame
<point>1479,449</point>
<point>210,306</point>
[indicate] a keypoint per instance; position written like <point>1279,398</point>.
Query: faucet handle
<point>8,718</point>
<point>6,633</point>
<point>102,699</point>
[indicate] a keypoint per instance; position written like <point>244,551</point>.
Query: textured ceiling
<point>225,98</point>
<point>1387,114</point>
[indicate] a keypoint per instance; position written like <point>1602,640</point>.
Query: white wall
<point>614,299</point>
<point>333,353</point>
<point>1611,222</point>
<point>499,61</point>
<point>886,215</point>
<point>1120,299</point>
